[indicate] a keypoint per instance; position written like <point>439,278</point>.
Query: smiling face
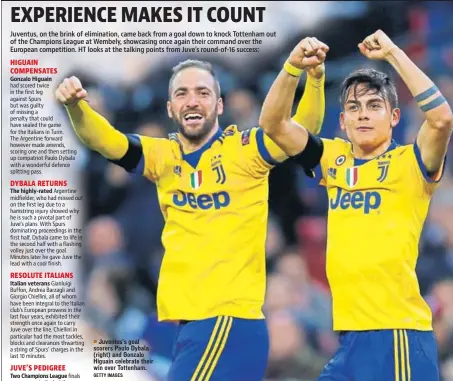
<point>194,103</point>
<point>368,117</point>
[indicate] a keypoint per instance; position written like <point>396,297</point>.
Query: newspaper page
<point>82,236</point>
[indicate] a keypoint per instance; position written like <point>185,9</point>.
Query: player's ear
<point>342,126</point>
<point>169,111</point>
<point>396,116</point>
<point>219,106</point>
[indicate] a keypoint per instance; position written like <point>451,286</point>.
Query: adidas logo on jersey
<point>332,172</point>
<point>366,201</point>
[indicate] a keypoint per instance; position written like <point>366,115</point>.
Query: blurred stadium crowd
<point>124,222</point>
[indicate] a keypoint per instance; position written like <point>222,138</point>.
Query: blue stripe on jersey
<point>262,148</point>
<point>140,168</point>
<point>358,162</point>
<point>133,160</point>
<point>422,166</point>
<point>193,158</point>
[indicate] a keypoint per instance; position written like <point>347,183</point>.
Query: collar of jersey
<point>358,162</point>
<point>193,158</point>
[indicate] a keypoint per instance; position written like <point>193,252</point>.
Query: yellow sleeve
<point>95,132</point>
<point>325,159</point>
<point>311,108</point>
<point>136,154</point>
<point>259,154</point>
<point>153,156</point>
<point>425,183</point>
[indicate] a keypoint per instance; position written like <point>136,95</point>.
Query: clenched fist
<point>70,91</point>
<point>376,46</point>
<point>308,54</point>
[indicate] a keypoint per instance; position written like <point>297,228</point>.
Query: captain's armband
<point>310,157</point>
<point>133,158</point>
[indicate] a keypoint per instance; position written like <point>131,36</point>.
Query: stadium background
<point>123,219</point>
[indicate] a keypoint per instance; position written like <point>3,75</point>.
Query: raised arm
<point>311,108</point>
<point>435,132</point>
<point>275,118</point>
<point>93,130</point>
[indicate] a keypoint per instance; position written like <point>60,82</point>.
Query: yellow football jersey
<point>215,205</point>
<point>377,209</point>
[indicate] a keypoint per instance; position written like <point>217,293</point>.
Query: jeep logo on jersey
<point>202,201</point>
<point>356,200</point>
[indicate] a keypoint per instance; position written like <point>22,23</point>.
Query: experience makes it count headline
<point>137,14</point>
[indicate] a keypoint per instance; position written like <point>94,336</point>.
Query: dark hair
<point>196,64</point>
<point>374,80</point>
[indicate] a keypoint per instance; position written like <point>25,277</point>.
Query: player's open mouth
<point>193,118</point>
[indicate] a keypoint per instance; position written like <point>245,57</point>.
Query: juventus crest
<point>217,167</point>
<point>383,166</point>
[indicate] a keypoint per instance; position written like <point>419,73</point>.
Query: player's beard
<point>199,134</point>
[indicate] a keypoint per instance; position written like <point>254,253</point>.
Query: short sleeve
<point>426,183</point>
<point>328,152</point>
<point>259,153</point>
<point>145,156</point>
